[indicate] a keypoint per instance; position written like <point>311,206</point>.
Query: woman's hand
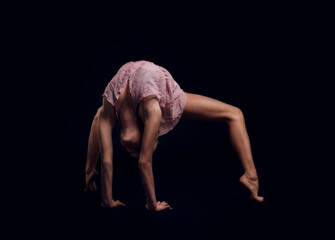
<point>89,180</point>
<point>113,204</point>
<point>158,207</point>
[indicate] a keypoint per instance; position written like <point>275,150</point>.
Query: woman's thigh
<point>204,108</point>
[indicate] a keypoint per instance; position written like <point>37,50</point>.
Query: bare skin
<point>139,136</point>
<point>92,155</point>
<point>207,109</point>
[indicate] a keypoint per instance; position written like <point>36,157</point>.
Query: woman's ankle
<point>252,175</point>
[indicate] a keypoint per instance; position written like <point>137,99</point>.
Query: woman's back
<point>145,79</point>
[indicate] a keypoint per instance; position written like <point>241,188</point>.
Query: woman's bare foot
<point>89,179</point>
<point>252,184</point>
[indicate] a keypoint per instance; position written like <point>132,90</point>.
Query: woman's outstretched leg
<point>92,155</point>
<point>199,107</point>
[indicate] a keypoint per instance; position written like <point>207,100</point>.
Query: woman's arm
<point>151,116</point>
<point>107,121</point>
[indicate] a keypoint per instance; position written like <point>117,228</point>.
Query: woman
<point>147,103</point>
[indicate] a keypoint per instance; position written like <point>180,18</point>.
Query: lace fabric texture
<point>145,79</point>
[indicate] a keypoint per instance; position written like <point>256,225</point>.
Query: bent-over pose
<point>147,103</point>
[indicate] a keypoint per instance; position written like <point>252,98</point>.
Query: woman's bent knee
<point>236,114</point>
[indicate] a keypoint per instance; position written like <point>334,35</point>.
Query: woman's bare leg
<point>199,107</point>
<point>92,155</point>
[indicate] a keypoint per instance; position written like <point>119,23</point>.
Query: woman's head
<point>132,142</point>
<point>136,153</point>
<point>131,138</point>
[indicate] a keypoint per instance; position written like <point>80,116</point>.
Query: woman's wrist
<point>151,204</point>
<point>88,171</point>
<point>91,171</point>
<point>109,203</point>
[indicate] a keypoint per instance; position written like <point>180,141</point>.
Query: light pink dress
<point>146,78</point>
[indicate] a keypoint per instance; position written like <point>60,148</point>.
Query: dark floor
<point>206,204</point>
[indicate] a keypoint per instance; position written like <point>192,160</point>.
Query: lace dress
<point>145,79</point>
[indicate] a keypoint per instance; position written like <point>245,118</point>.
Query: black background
<point>257,58</point>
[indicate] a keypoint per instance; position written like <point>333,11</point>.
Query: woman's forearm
<point>106,182</point>
<point>106,150</point>
<point>151,115</point>
<point>147,178</point>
